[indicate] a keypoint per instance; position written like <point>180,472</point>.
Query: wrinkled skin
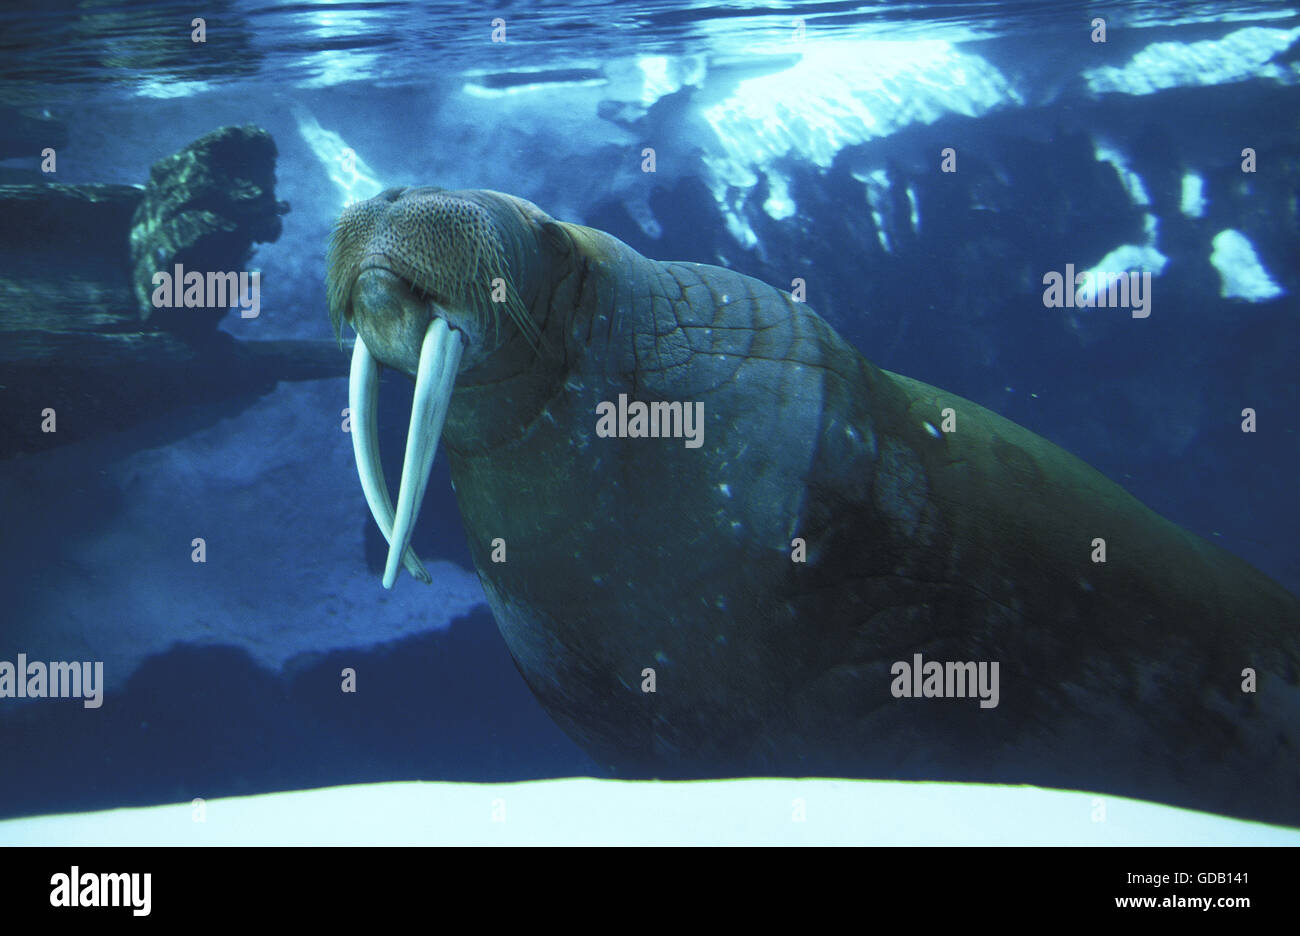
<point>629,554</point>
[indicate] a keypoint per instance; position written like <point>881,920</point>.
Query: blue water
<point>777,151</point>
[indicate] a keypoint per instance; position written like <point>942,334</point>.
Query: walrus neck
<point>497,400</point>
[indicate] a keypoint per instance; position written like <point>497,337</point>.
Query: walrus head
<point>435,283</point>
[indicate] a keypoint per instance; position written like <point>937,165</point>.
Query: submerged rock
<point>204,208</point>
<point>83,350</point>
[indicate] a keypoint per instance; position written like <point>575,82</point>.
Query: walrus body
<point>769,582</point>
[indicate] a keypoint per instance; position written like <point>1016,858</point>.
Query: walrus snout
<point>390,318</point>
<point>448,246</point>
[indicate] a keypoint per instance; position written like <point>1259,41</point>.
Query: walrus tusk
<point>434,381</point>
<point>363,400</point>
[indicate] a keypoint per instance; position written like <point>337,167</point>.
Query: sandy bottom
<point>594,812</point>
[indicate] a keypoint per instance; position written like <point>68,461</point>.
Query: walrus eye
<point>555,237</point>
<point>435,379</point>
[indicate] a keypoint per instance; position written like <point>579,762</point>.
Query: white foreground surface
<point>586,811</point>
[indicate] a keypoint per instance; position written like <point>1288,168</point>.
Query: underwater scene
<point>653,421</point>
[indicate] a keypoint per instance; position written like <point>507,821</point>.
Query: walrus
<point>754,600</point>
